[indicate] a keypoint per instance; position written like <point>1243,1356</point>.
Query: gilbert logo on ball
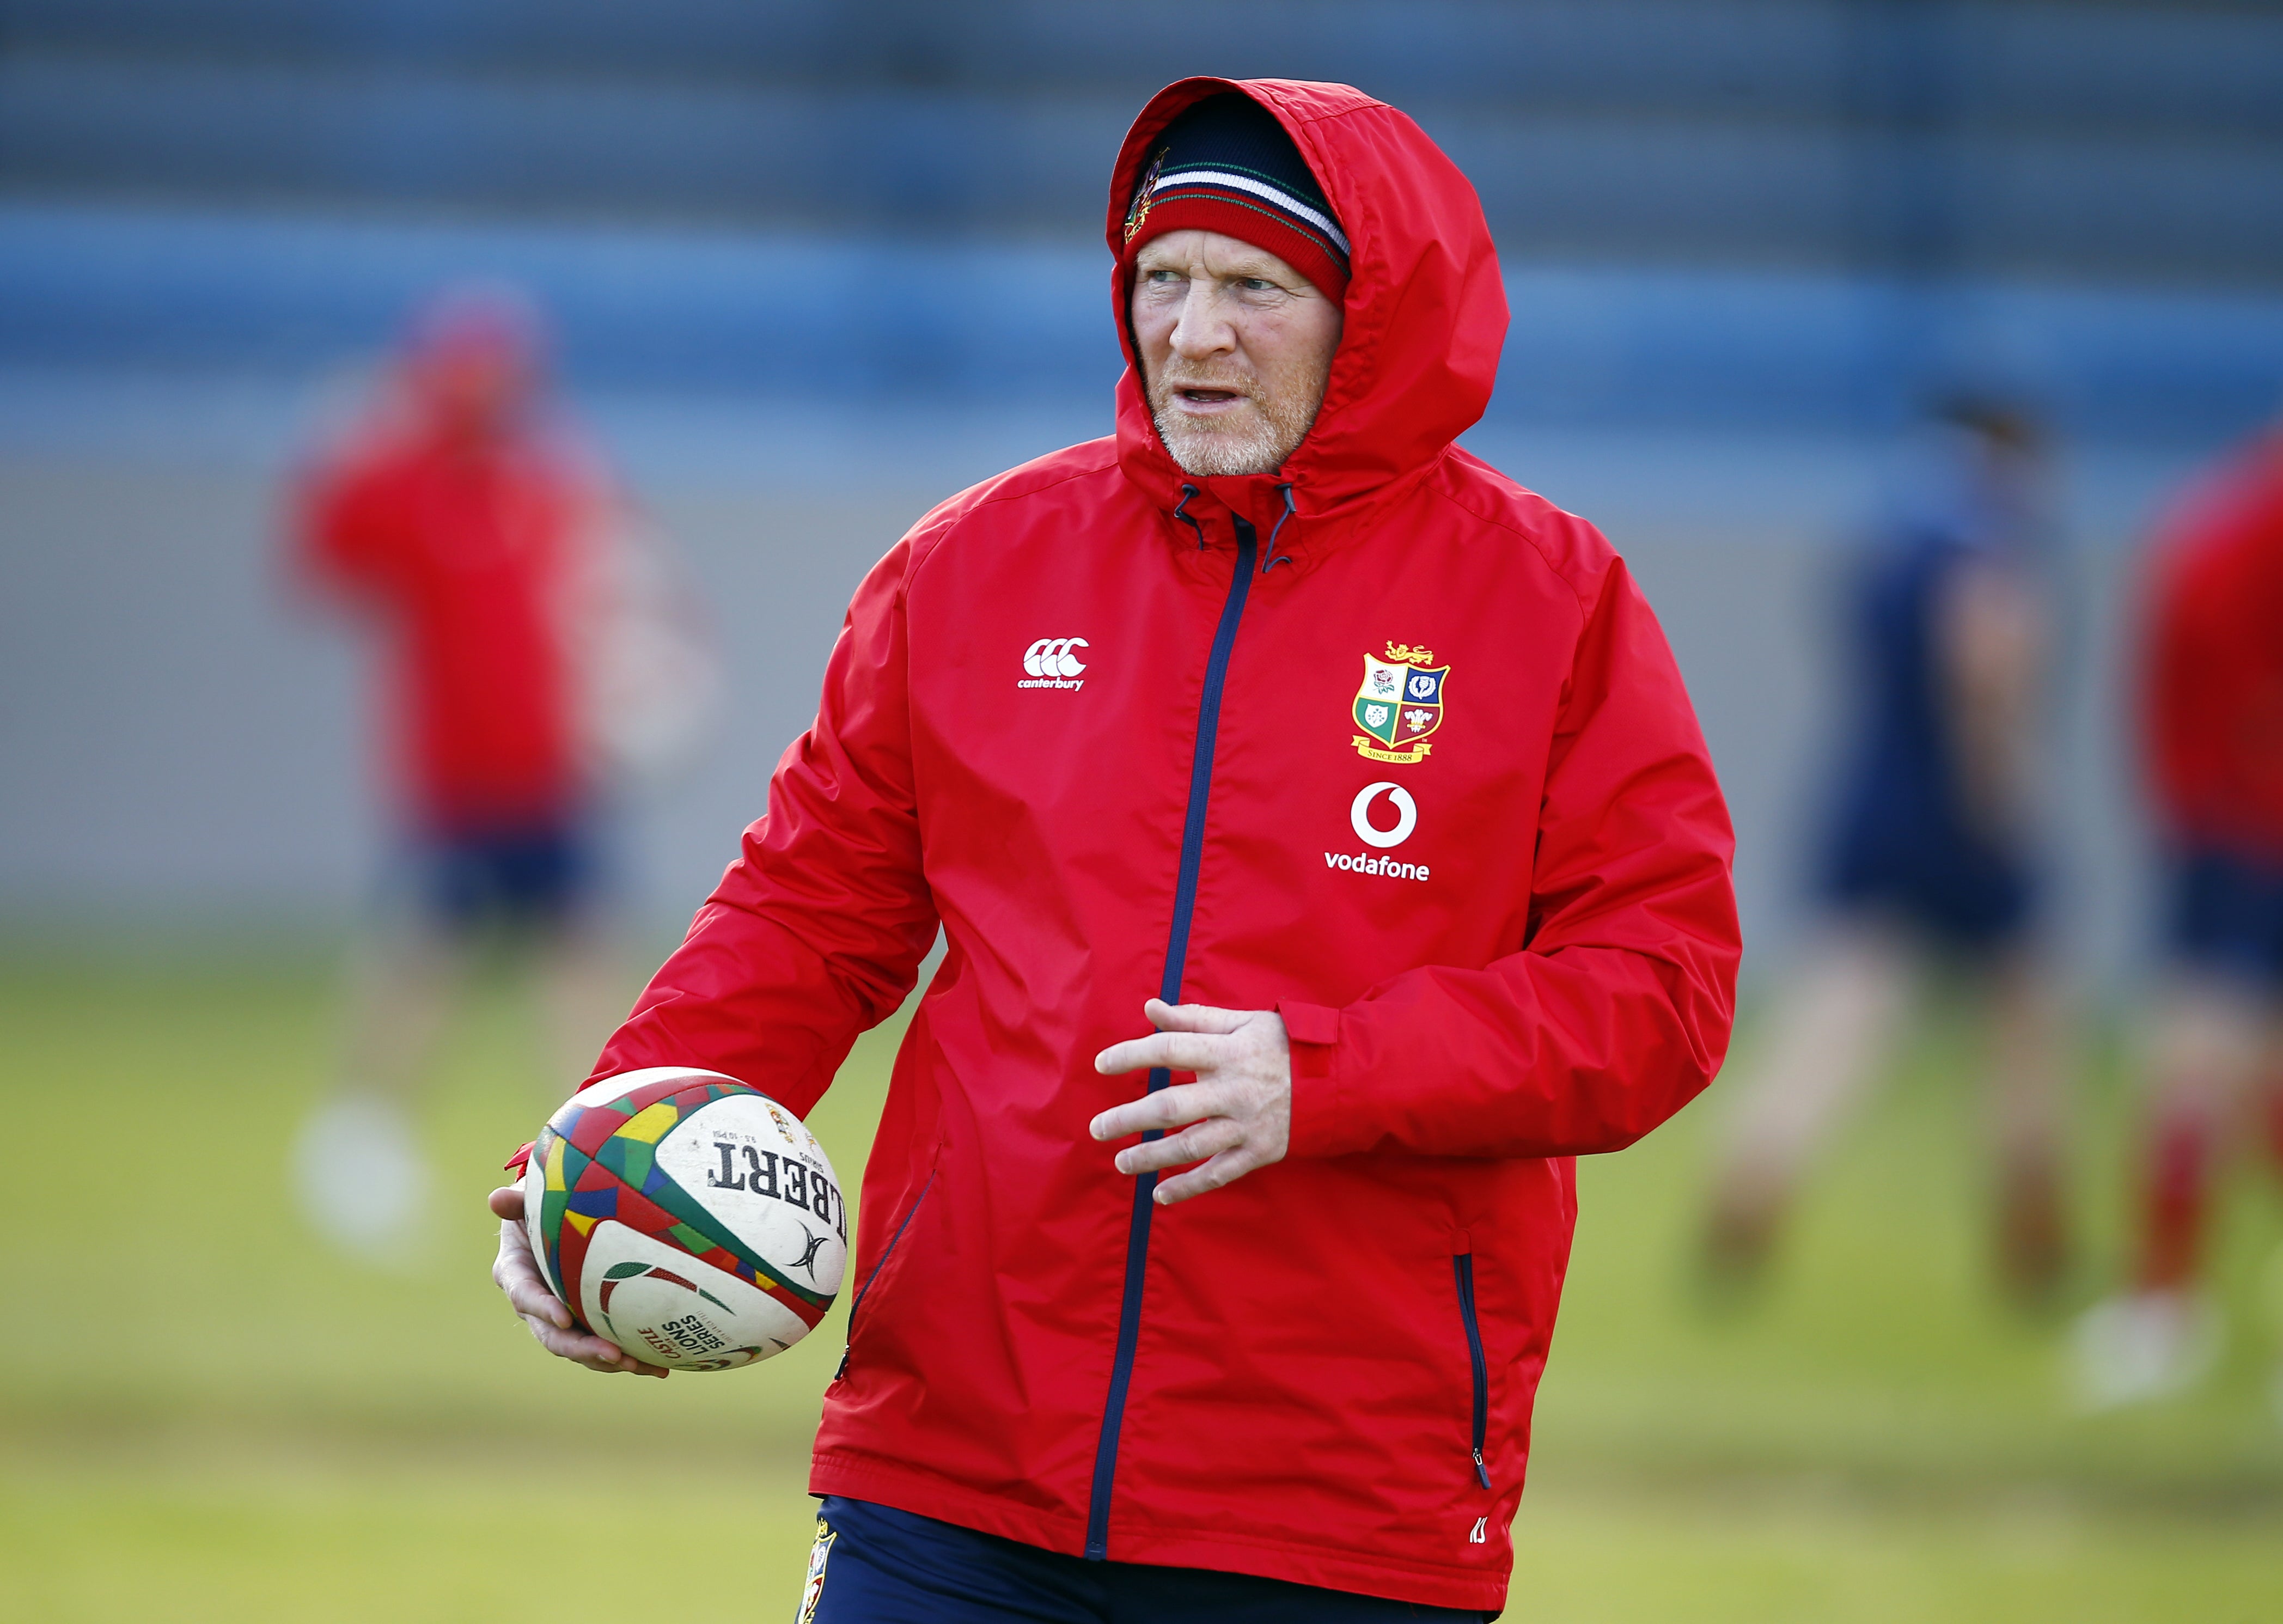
<point>687,1217</point>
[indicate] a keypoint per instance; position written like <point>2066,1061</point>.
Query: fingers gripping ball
<point>687,1217</point>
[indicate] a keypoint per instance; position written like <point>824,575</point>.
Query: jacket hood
<point>1425,311</point>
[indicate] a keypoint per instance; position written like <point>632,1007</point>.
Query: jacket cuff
<point>1314,1032</point>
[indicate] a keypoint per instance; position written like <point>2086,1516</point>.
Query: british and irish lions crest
<point>1399,703</point>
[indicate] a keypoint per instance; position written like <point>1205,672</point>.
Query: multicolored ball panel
<point>725,1199</point>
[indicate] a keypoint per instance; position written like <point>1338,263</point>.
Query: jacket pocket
<point>856,1306</point>
<point>1462,1275</point>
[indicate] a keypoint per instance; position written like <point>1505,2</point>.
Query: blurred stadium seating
<point>1782,212</point>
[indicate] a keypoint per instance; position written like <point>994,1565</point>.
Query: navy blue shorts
<point>2226,916</point>
<point>873,1565</point>
<point>537,874</point>
<point>1901,856</point>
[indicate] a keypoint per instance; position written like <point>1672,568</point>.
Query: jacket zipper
<point>1462,1271</point>
<point>865,1290</point>
<point>1177,951</point>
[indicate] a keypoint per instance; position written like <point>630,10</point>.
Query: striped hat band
<point>1252,185</point>
<point>1226,165</point>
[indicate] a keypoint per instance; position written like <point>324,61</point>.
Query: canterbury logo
<point>1052,657</point>
<point>1052,663</point>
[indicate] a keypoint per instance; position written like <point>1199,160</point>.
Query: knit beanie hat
<point>1225,164</point>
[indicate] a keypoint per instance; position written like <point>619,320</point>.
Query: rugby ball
<point>687,1217</point>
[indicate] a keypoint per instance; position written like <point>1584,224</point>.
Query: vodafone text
<point>1387,866</point>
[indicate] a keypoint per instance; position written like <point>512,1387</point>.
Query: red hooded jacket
<point>464,551</point>
<point>1117,730</point>
<point>2214,705</point>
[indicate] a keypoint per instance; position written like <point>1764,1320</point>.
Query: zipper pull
<point>848,1347</point>
<point>1481,1470</point>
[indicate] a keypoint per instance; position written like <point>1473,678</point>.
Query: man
<point>1376,770</point>
<point>464,532</point>
<point>2212,723</point>
<point>1932,853</point>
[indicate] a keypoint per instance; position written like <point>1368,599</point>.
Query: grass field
<point>205,1416</point>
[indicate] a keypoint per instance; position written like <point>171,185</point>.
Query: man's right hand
<point>516,1272</point>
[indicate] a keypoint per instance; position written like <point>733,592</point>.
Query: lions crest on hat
<point>1145,194</point>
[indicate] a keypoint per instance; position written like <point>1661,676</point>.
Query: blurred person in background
<point>532,641</point>
<point>1930,858</point>
<point>2212,733</point>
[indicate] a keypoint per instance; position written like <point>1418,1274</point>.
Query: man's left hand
<point>1238,1112</point>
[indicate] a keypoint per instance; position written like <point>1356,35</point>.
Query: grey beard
<point>1273,435</point>
<point>1210,456</point>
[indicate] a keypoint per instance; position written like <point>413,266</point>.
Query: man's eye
<point>1256,284</point>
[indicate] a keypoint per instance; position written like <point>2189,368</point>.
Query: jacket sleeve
<point>1616,1011</point>
<point>339,537</point>
<point>816,931</point>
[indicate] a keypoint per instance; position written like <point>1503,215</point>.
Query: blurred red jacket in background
<point>460,528</point>
<point>2214,703</point>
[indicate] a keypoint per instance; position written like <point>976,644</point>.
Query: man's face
<point>474,392</point>
<point>1235,347</point>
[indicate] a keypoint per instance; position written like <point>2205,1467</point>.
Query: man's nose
<point>1203,330</point>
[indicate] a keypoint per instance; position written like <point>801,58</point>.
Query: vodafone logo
<point>1051,663</point>
<point>1362,813</point>
<point>1406,815</point>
